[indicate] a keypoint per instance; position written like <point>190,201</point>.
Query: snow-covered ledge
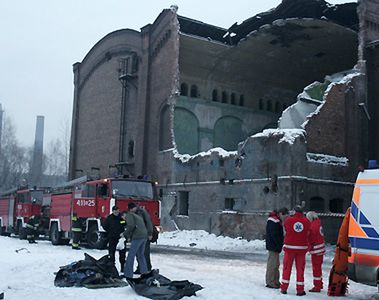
<point>327,159</point>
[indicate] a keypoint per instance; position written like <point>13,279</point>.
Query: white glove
<point>121,244</point>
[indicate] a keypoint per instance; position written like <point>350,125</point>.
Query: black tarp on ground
<point>90,273</point>
<point>155,286</point>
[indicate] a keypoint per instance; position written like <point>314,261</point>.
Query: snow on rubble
<point>327,159</point>
<point>286,135</point>
<point>184,158</point>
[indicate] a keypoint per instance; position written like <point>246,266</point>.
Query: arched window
<point>194,91</point>
<point>269,105</point>
<point>224,97</point>
<point>164,129</point>
<point>336,205</point>
<point>233,99</point>
<point>242,100</point>
<point>131,149</point>
<point>234,127</point>
<point>184,89</point>
<point>316,204</point>
<point>260,104</point>
<point>215,95</point>
<point>186,131</point>
<point>277,107</point>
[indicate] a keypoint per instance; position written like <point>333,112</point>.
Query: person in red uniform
<point>295,247</point>
<point>316,249</point>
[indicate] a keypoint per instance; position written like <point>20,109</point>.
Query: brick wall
<point>326,132</point>
<point>339,126</point>
<point>163,83</point>
<point>97,103</point>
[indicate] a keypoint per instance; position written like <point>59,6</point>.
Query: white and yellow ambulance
<point>363,260</point>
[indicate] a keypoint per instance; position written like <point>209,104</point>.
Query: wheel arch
<point>52,221</point>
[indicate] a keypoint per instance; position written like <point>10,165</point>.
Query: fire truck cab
<point>92,202</point>
<point>16,207</point>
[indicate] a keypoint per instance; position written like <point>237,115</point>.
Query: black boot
<point>137,271</point>
<point>301,293</point>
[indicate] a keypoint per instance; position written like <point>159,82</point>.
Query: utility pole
<point>123,77</point>
<point>126,73</point>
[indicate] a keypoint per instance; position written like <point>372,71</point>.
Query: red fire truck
<point>16,207</point>
<point>92,202</point>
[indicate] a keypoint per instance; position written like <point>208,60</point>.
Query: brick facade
<point>230,193</point>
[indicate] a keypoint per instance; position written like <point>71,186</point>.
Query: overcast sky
<point>42,39</point>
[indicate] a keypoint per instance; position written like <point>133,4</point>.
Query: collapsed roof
<point>342,14</point>
<point>286,54</point>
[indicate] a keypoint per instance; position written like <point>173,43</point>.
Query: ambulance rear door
<point>367,244</point>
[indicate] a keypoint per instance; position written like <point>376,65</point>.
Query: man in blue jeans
<point>137,233</point>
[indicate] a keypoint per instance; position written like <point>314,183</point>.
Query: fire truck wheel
<point>22,233</point>
<point>55,235</point>
<point>18,227</point>
<point>95,239</point>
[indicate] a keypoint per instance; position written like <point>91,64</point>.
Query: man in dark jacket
<point>114,226</point>
<point>274,244</point>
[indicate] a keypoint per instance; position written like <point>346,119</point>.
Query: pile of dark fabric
<point>90,273</point>
<point>155,286</point>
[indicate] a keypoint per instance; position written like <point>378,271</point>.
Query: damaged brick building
<point>234,122</point>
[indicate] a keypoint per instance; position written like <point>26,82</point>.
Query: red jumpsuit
<point>295,247</point>
<point>317,250</point>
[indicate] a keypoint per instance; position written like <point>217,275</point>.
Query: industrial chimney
<point>1,124</point>
<point>36,171</point>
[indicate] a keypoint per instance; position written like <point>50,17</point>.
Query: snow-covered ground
<point>29,273</point>
<point>201,239</point>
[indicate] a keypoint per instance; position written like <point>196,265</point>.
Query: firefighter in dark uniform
<point>32,229</point>
<point>76,231</point>
<point>45,220</point>
<point>114,228</point>
<point>122,252</point>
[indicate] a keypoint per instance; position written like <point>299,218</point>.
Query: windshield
<point>136,189</point>
<point>37,196</point>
